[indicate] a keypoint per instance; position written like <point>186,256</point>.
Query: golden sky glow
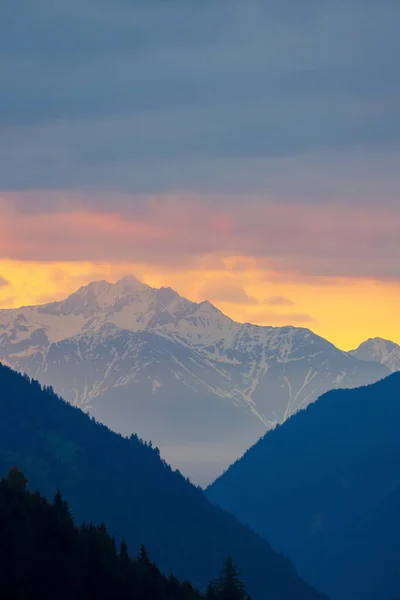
<point>346,311</point>
<point>333,268</point>
<point>245,157</point>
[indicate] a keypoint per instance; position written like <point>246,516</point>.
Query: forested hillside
<point>325,489</point>
<point>43,554</point>
<point>125,484</point>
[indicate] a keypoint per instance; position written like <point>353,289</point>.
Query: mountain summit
<point>383,351</point>
<point>98,296</point>
<point>199,385</point>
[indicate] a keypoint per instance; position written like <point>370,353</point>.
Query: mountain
<point>379,350</point>
<point>43,551</point>
<point>124,483</point>
<point>324,487</point>
<point>182,374</point>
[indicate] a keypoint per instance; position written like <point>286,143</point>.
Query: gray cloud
<point>150,96</point>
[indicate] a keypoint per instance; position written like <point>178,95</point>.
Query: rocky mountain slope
<point>199,385</point>
<point>379,350</point>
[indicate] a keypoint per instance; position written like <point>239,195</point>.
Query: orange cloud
<point>281,319</point>
<point>278,301</point>
<point>339,265</point>
<point>7,302</point>
<point>226,291</point>
<point>323,241</point>
<point>3,282</point>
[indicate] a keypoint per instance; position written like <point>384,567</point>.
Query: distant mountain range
<point>199,385</point>
<point>324,488</point>
<point>126,485</point>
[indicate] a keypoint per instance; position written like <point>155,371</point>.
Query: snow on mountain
<point>383,351</point>
<point>99,295</point>
<point>177,372</point>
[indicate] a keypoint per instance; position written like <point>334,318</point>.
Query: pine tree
<point>61,506</point>
<point>42,551</point>
<point>16,479</point>
<point>229,586</point>
<point>174,585</point>
<point>143,557</point>
<point>210,592</point>
<point>123,551</point>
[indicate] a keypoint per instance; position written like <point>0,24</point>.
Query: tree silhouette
<point>123,551</point>
<point>143,557</point>
<point>229,585</point>
<point>43,552</point>
<point>16,479</point>
<point>210,592</point>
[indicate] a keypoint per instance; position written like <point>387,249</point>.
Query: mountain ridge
<point>124,483</point>
<point>324,487</point>
<point>148,360</point>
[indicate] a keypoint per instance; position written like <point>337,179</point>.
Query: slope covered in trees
<point>125,484</point>
<point>44,555</point>
<point>325,489</point>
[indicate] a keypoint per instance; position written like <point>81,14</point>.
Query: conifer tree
<point>210,592</point>
<point>123,551</point>
<point>61,505</point>
<point>143,557</point>
<point>173,581</point>
<point>229,586</point>
<point>16,479</point>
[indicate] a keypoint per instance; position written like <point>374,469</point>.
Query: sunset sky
<point>245,152</point>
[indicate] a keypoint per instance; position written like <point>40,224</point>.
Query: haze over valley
<point>200,386</point>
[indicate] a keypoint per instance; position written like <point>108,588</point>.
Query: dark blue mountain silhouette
<point>325,489</point>
<point>125,484</point>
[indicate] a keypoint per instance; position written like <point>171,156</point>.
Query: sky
<point>241,152</point>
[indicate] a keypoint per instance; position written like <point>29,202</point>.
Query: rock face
<point>199,385</point>
<point>383,351</point>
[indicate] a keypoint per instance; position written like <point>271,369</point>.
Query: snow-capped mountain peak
<point>98,296</point>
<point>148,360</point>
<point>379,350</point>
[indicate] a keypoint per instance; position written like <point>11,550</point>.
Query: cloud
<point>280,319</point>
<point>4,282</point>
<point>226,292</point>
<point>63,276</point>
<point>306,241</point>
<point>278,301</point>
<point>8,302</point>
<point>155,96</point>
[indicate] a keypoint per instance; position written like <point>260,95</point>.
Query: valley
<point>200,386</point>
